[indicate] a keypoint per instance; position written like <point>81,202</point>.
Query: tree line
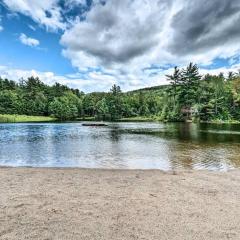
<point>189,96</point>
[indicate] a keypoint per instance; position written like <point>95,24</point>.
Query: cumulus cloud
<point>124,39</point>
<point>32,42</point>
<point>120,37</point>
<point>88,81</point>
<point>83,81</point>
<point>44,12</point>
<point>72,3</point>
<point>102,81</point>
<point>114,33</point>
<point>117,31</point>
<point>121,32</point>
<point>202,26</point>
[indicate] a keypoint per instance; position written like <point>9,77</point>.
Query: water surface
<point>121,145</point>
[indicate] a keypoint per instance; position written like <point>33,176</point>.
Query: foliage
<point>189,96</point>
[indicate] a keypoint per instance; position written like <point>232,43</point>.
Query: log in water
<point>94,124</point>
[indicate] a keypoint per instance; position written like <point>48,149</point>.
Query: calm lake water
<point>121,145</point>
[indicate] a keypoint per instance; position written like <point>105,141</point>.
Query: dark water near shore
<point>121,145</point>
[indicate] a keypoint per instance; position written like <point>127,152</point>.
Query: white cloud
<point>127,36</point>
<point>72,3</point>
<point>32,42</point>
<point>117,32</point>
<point>121,37</point>
<point>86,83</point>
<point>225,70</point>
<point>124,37</point>
<point>32,27</point>
<point>1,27</point>
<point>102,81</point>
<point>44,12</point>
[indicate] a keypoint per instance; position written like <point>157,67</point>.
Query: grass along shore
<point>14,118</point>
<point>7,118</point>
<point>130,119</point>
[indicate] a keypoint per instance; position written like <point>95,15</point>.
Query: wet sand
<point>118,204</point>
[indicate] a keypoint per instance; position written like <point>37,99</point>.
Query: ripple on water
<point>121,145</point>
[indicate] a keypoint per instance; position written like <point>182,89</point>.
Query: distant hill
<point>147,89</point>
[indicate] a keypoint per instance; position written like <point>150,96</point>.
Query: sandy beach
<point>37,203</point>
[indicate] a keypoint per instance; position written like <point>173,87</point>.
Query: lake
<point>168,146</point>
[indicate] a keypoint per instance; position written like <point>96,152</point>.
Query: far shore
<point>72,203</point>
<point>11,118</point>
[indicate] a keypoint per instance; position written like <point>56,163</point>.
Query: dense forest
<point>189,96</point>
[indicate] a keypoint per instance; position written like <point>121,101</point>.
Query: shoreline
<point>11,118</point>
<point>174,172</point>
<point>76,203</point>
<point>171,171</point>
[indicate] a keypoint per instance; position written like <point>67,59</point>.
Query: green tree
<point>63,109</point>
<point>103,110</point>
<point>8,102</point>
<point>175,80</point>
<point>189,87</point>
<point>115,103</point>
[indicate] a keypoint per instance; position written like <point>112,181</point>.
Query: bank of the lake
<point>48,203</point>
<point>157,119</point>
<point>15,118</point>
<point>9,118</point>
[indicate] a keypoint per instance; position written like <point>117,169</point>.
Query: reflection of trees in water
<point>115,134</point>
<point>116,149</point>
<point>198,133</point>
<point>235,160</point>
<point>180,157</point>
<point>192,145</point>
<point>187,162</point>
<point>204,156</point>
<point>173,146</point>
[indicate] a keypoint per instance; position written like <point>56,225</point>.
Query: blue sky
<point>93,44</point>
<point>45,57</point>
